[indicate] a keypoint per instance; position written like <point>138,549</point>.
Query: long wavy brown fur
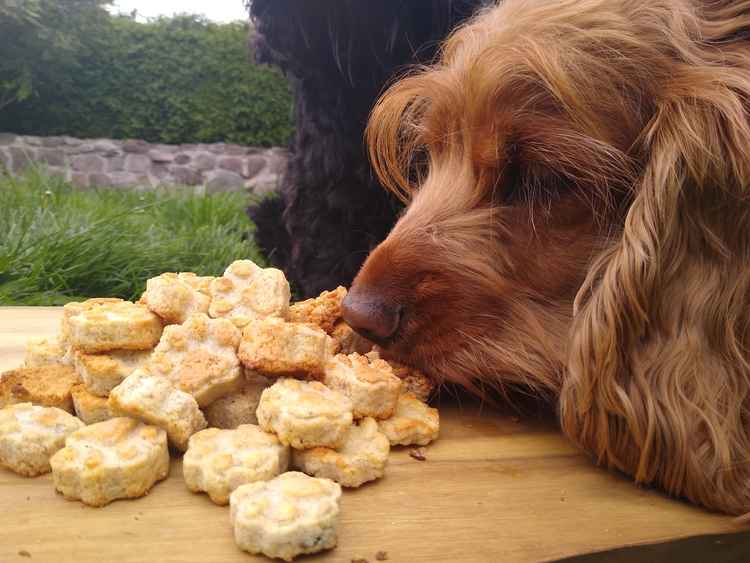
<point>577,175</point>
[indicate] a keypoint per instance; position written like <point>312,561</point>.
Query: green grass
<point>59,244</point>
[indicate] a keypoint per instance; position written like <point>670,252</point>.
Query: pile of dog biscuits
<point>276,406</point>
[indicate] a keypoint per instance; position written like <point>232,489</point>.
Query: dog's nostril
<point>371,315</point>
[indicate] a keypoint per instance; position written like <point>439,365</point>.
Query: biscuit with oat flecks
<point>288,516</point>
<point>30,435</point>
<point>348,341</point>
<point>323,310</point>
<point>114,326</point>
<point>246,292</point>
<point>305,414</point>
<point>369,384</point>
<point>413,380</point>
<point>280,349</point>
<point>361,458</point>
<point>114,459</point>
<point>89,408</point>
<point>48,386</point>
<point>69,311</point>
<point>238,407</point>
<point>101,373</point>
<point>175,297</point>
<point>43,352</point>
<point>413,423</point>
<point>154,400</point>
<point>218,461</point>
<point>200,357</point>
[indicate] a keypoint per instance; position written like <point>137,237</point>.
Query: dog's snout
<point>371,314</point>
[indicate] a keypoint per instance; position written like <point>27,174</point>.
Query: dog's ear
<point>658,381</point>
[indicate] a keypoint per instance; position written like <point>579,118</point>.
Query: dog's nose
<point>371,315</point>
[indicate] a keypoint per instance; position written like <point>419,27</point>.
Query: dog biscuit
<point>154,400</point>
<point>349,341</point>
<point>361,458</point>
<point>370,385</point>
<point>117,458</point>
<point>30,435</point>
<point>115,326</point>
<point>75,308</point>
<point>247,292</point>
<point>200,357</point>
<point>305,414</point>
<point>48,386</point>
<point>290,515</point>
<point>175,297</point>
<point>239,407</point>
<point>413,423</point>
<point>413,381</point>
<point>42,352</point>
<point>101,373</point>
<point>323,311</point>
<point>89,408</point>
<point>278,348</point>
<point>219,461</point>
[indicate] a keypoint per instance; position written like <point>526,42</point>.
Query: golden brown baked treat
<point>43,352</point>
<point>48,386</point>
<point>230,411</point>
<point>101,373</point>
<point>323,311</point>
<point>89,408</point>
<point>349,342</point>
<point>114,326</point>
<point>413,423</point>
<point>174,297</point>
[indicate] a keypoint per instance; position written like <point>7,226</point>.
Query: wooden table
<point>492,489</point>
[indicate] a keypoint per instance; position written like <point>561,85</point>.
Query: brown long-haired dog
<point>578,223</point>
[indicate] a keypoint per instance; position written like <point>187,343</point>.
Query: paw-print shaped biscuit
<point>361,458</point>
<point>305,414</point>
<point>413,423</point>
<point>118,458</point>
<point>174,297</point>
<point>200,357</point>
<point>247,292</point>
<point>30,435</point>
<point>370,384</point>
<point>154,400</point>
<point>219,461</point>
<point>288,516</point>
<point>323,310</point>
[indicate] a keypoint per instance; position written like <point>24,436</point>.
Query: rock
<point>100,180</point>
<point>135,146</point>
<point>57,172</point>
<point>90,163</point>
<point>106,146</point>
<point>81,149</point>
<point>182,158</point>
<point>80,180</point>
<point>235,150</point>
<point>52,141</point>
<point>263,184</point>
<point>232,163</point>
<point>160,156</point>
<point>137,163</point>
<point>4,161</point>
<point>116,164</point>
<point>53,157</point>
<point>277,160</point>
<point>220,181</point>
<point>254,164</point>
<point>7,138</point>
<point>32,141</point>
<point>72,141</point>
<point>22,158</point>
<point>186,176</point>
<point>160,171</point>
<point>204,161</point>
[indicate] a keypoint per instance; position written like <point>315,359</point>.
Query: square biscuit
<point>74,308</point>
<point>274,347</point>
<point>361,458</point>
<point>154,400</point>
<point>200,357</point>
<point>247,292</point>
<point>175,297</point>
<point>101,373</point>
<point>305,414</point>
<point>114,459</point>
<point>323,311</point>
<point>89,408</point>
<point>218,461</point>
<point>115,326</point>
<point>234,409</point>
<point>370,384</point>
<point>48,386</point>
<point>30,435</point>
<point>42,352</point>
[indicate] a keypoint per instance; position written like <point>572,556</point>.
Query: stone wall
<point>106,163</point>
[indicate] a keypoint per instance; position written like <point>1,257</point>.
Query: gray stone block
<point>137,163</point>
<point>52,141</point>
<point>186,176</point>
<point>253,165</point>
<point>116,164</point>
<point>22,158</point>
<point>100,180</point>
<point>136,146</point>
<point>32,141</point>
<point>80,180</point>
<point>160,156</point>
<point>224,181</point>
<point>204,161</point>
<point>53,157</point>
<point>182,158</point>
<point>90,163</point>
<point>233,164</point>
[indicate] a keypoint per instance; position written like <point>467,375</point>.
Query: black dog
<point>338,55</point>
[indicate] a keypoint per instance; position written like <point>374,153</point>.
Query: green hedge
<point>173,80</point>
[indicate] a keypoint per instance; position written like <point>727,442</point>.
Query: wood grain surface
<point>493,488</point>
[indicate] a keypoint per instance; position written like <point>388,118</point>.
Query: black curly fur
<point>338,55</point>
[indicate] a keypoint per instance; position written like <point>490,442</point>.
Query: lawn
<point>59,244</point>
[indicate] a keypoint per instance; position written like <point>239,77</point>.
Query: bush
<point>60,244</point>
<point>172,80</point>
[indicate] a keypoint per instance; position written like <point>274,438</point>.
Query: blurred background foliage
<point>70,67</point>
